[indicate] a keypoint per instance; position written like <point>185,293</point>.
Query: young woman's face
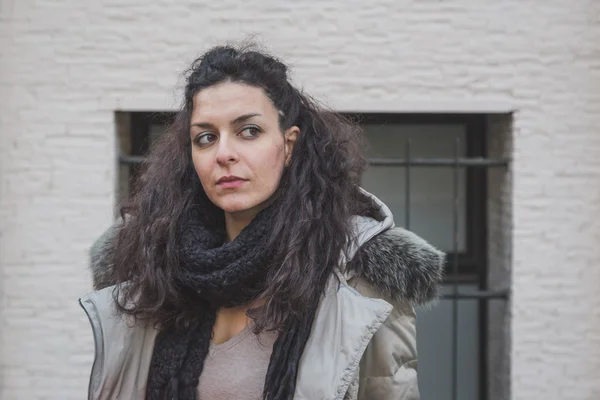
<point>238,149</point>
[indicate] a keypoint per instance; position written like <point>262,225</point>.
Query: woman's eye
<point>250,132</point>
<point>205,138</point>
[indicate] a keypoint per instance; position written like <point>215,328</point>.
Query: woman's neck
<point>235,222</point>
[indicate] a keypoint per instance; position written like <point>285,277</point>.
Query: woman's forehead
<point>230,100</point>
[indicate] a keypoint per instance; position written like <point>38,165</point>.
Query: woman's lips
<point>231,183</point>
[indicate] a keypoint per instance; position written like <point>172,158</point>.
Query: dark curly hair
<point>319,193</point>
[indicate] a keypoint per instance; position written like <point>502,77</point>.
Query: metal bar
<point>438,162</point>
<point>479,295</point>
<point>392,162</point>
<point>407,183</point>
<point>455,273</point>
<point>131,160</point>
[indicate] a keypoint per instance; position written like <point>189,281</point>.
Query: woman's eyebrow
<point>203,125</point>
<point>235,121</point>
<point>243,118</point>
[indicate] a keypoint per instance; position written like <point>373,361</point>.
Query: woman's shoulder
<point>398,266</point>
<point>115,370</point>
<point>110,326</point>
<point>102,304</point>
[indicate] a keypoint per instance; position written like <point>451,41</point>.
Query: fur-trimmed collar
<point>101,255</point>
<point>400,265</point>
<point>397,263</point>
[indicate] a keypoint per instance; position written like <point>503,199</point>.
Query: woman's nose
<point>226,152</point>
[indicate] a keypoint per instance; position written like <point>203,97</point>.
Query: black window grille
<point>465,160</point>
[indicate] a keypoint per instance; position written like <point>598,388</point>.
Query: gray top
<point>236,369</point>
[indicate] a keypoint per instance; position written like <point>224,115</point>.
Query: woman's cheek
<point>203,170</point>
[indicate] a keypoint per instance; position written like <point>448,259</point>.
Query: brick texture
<point>67,66</point>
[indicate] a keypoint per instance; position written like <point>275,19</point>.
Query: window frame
<point>469,266</point>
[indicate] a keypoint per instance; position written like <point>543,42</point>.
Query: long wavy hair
<point>319,193</point>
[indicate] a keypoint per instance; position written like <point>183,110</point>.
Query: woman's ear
<point>289,138</point>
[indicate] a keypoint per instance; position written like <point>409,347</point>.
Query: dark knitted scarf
<point>218,274</point>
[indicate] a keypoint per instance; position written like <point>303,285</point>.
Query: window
<point>432,170</point>
<point>413,167</point>
<point>137,131</point>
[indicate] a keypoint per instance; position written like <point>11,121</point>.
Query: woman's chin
<point>238,206</point>
<point>241,203</point>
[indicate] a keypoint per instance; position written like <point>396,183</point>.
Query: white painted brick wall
<point>66,66</point>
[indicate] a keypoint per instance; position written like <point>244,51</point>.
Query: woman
<point>251,264</point>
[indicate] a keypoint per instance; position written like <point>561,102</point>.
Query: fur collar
<point>397,263</point>
<point>101,254</point>
<point>400,266</point>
